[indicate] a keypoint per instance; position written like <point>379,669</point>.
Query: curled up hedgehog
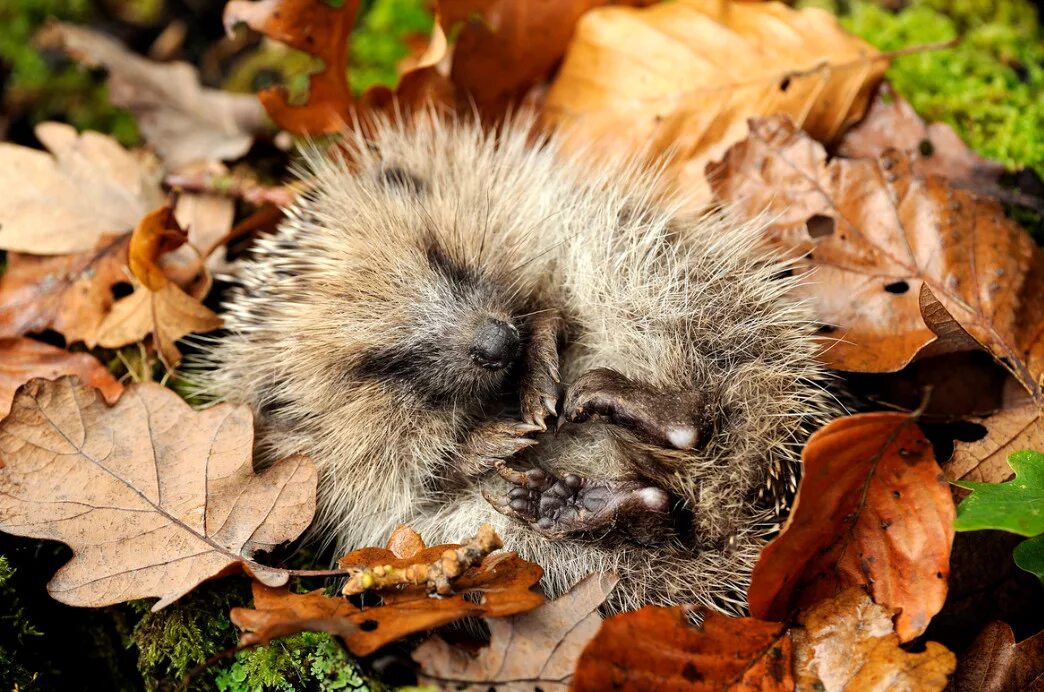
<point>462,326</point>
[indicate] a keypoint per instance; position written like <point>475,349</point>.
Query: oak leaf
<point>152,496</point>
<point>847,643</point>
<point>499,586</point>
<point>540,647</point>
<point>657,648</point>
<point>995,663</point>
<point>1016,506</point>
<point>873,510</point>
<point>179,118</point>
<point>65,202</point>
<point>875,234</point>
<point>24,359</point>
<point>1007,431</point>
<point>683,78</point>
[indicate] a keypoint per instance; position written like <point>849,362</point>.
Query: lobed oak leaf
<point>876,233</point>
<point>995,663</point>
<point>873,510</point>
<point>179,118</point>
<point>1016,505</point>
<point>540,647</point>
<point>67,201</point>
<point>682,78</point>
<point>23,359</point>
<point>1007,431</point>
<point>657,648</point>
<point>847,643</point>
<point>152,496</point>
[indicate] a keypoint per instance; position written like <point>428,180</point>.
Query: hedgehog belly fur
<point>390,321</point>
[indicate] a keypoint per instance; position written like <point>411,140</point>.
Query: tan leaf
<point>684,77</point>
<point>152,497</point>
<point>70,294</point>
<point>540,647</point>
<point>995,663</point>
<point>875,233</point>
<point>179,118</point>
<point>23,359</point>
<point>986,460</point>
<point>66,203</point>
<point>873,510</point>
<point>847,643</point>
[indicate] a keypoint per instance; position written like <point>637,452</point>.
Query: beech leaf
<point>873,510</point>
<point>152,496</point>
<point>24,359</point>
<point>1016,506</point>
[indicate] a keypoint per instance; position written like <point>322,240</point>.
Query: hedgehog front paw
<point>670,419</point>
<point>493,442</point>
<point>541,388</point>
<point>558,508</point>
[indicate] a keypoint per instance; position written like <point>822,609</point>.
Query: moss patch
<point>305,661</point>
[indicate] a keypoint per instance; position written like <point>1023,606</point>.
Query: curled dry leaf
<point>995,663</point>
<point>875,233</point>
<point>538,648</point>
<point>684,77</point>
<point>873,510</point>
<point>70,294</point>
<point>23,359</point>
<point>68,201</point>
<point>847,643</point>
<point>182,121</point>
<point>152,497</point>
<point>499,586</point>
<point>1008,431</point>
<point>656,648</point>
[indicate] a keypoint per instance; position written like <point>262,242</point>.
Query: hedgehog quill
<point>462,326</point>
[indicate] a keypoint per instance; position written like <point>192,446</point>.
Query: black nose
<point>496,345</point>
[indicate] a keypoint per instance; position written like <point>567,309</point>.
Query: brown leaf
<point>656,648</point>
<point>70,294</point>
<point>994,663</point>
<point>499,586</point>
<point>152,497</point>
<point>875,233</point>
<point>23,359</point>
<point>1007,431</point>
<point>179,118</point>
<point>684,77</point>
<point>540,647</point>
<point>66,203</point>
<point>873,510</point>
<point>846,644</point>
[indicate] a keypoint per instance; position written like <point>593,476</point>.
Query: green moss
<point>305,661</point>
<point>16,630</point>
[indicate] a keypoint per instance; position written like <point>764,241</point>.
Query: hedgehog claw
<point>540,387</point>
<point>492,443</point>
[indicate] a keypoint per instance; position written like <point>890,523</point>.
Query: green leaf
<point>1016,506</point>
<point>1029,555</point>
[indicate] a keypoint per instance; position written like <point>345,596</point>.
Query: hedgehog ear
<point>398,178</point>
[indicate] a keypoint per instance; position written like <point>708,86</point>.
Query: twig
<point>228,185</point>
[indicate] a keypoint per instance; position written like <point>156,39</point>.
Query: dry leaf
<point>152,497</point>
<point>875,233</point>
<point>847,644</point>
<point>684,77</point>
<point>499,586</point>
<point>995,663</point>
<point>23,359</point>
<point>656,648</point>
<point>70,294</point>
<point>540,647</point>
<point>986,460</point>
<point>182,121</point>
<point>873,510</point>
<point>66,203</point>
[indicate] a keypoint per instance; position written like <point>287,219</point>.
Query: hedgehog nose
<point>496,345</point>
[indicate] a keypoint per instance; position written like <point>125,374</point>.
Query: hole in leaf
<point>820,226</point>
<point>121,290</point>
<point>368,625</point>
<point>897,287</point>
<point>785,84</point>
<point>826,329</point>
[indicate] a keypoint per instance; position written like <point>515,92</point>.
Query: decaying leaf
<point>498,587</point>
<point>684,77</point>
<point>847,643</point>
<point>656,648</point>
<point>875,233</point>
<point>152,497</point>
<point>538,648</point>
<point>1016,505</point>
<point>182,121</point>
<point>1008,431</point>
<point>70,294</point>
<point>67,201</point>
<point>851,524</point>
<point>23,359</point>
<point>995,663</point>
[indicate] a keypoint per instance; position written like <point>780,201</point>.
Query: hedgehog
<point>464,325</point>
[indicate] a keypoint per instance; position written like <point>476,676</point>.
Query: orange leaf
<point>873,510</point>
<point>23,359</point>
<point>157,232</point>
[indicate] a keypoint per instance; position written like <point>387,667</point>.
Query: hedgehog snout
<point>496,344</point>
